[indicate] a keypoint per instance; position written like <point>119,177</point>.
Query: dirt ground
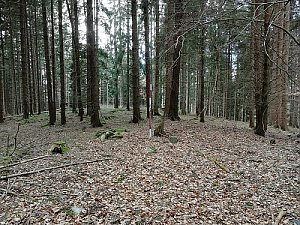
<point>217,172</point>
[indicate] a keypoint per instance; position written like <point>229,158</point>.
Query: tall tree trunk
<point>74,73</point>
<point>183,83</point>
<point>157,60</point>
<point>29,69</point>
<point>53,57</point>
<point>128,59</point>
<point>262,88</point>
<point>51,106</point>
<point>228,82</point>
<point>285,55</point>
<point>92,66</point>
<point>77,62</point>
<point>178,42</point>
<point>169,24</point>
<point>135,65</point>
<point>147,54</point>
<point>202,74</point>
<point>116,56</point>
<point>1,96</point>
<point>13,98</point>
<point>24,61</point>
<point>61,67</point>
<point>38,75</point>
<point>33,68</point>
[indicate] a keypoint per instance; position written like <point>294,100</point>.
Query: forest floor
<point>219,172</point>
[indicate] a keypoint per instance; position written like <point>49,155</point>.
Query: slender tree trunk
<point>74,73</point>
<point>33,68</point>
<point>285,55</point>
<point>38,75</point>
<point>135,65</point>
<point>147,53</point>
<point>183,84</point>
<point>188,93</point>
<point>92,66</point>
<point>13,97</point>
<point>61,67</point>
<point>24,61</point>
<point>1,96</point>
<point>157,59</point>
<point>53,57</point>
<point>116,61</point>
<point>229,91</point>
<point>51,106</point>
<point>1,78</point>
<point>202,74</point>
<point>29,69</point>
<point>128,59</point>
<point>77,62</point>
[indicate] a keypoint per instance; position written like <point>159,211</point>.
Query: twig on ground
<point>7,192</point>
<point>280,216</point>
<point>214,161</point>
<point>50,168</point>
<point>25,161</point>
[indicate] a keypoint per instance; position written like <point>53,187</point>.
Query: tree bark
<point>53,61</point>
<point>24,59</point>
<point>91,66</point>
<point>77,62</point>
<point>38,75</point>
<point>157,60</point>
<point>135,65</point>
<point>202,74</point>
<point>61,67</point>
<point>262,85</point>
<point>183,83</point>
<point>147,54</point>
<point>128,59</point>
<point>169,24</point>
<point>178,43</point>
<point>1,97</point>
<point>51,106</point>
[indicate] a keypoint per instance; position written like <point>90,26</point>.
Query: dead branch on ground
<point>25,161</point>
<point>225,169</point>
<point>50,168</point>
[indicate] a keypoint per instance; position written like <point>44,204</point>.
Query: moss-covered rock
<point>60,147</point>
<point>117,133</point>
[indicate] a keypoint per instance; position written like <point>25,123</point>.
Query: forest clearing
<point>218,172</point>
